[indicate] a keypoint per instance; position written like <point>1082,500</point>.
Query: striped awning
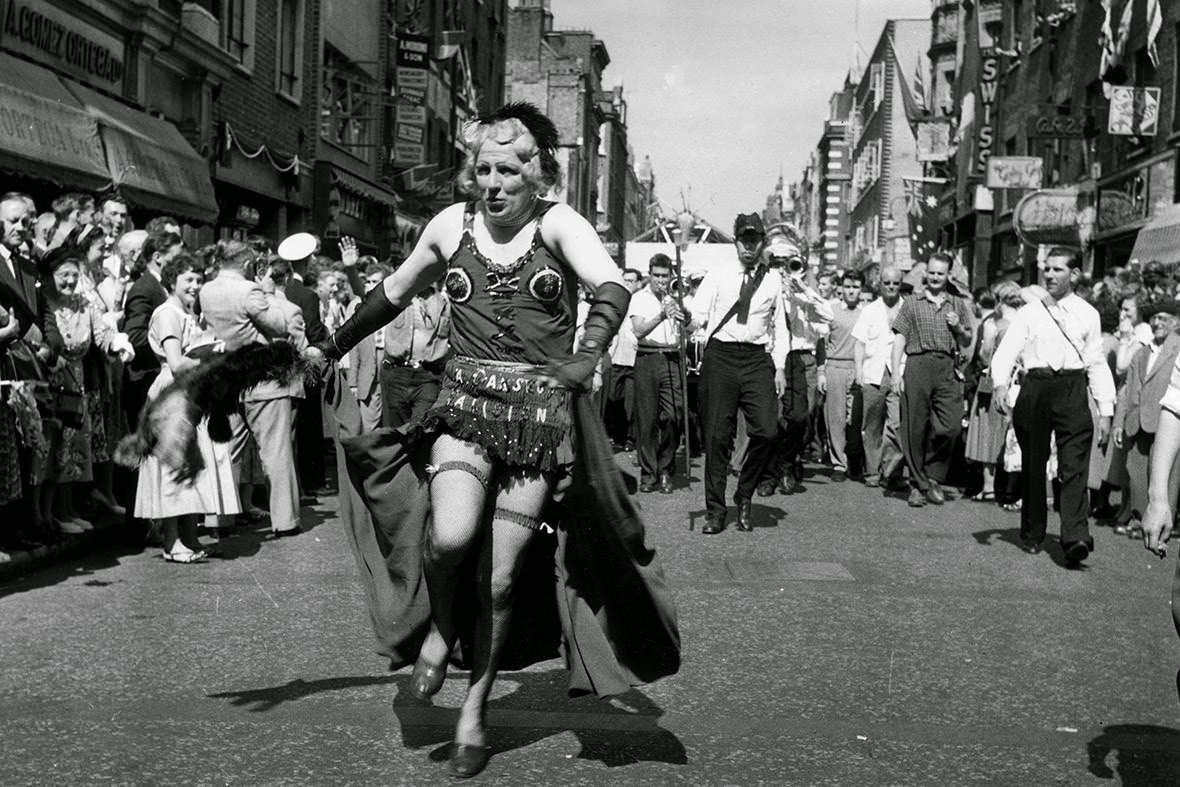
<point>1159,239</point>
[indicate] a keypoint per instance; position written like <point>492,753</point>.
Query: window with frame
<point>237,30</point>
<point>289,52</point>
<point>348,105</point>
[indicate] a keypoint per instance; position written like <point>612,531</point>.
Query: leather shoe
<point>1075,553</point>
<point>647,486</point>
<point>275,535</point>
<point>789,484</point>
<point>935,494</point>
<point>1030,546</point>
<point>467,761</point>
<point>426,680</point>
<point>917,499</point>
<point>714,523</point>
<point>766,489</point>
<point>838,476</point>
<point>665,483</point>
<point>745,520</point>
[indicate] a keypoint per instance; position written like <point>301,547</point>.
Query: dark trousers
<point>931,416</point>
<point>1054,405</point>
<point>407,393</point>
<point>794,411</point>
<point>736,377</point>
<point>620,404</point>
<point>658,412</point>
<point>309,439</point>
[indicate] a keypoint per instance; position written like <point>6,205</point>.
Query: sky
<point>724,95</point>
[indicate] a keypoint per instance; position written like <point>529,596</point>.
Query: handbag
<point>61,403</point>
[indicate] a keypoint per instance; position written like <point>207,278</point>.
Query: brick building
<point>560,71</point>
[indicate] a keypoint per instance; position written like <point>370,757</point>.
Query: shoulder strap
<point>469,217</point>
<point>736,304</point>
<point>1061,328</point>
<point>545,206</point>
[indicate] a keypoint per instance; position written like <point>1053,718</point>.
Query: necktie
<point>750,282</point>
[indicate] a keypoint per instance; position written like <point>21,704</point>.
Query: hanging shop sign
<point>1015,172</point>
<point>989,72</point>
<point>56,38</point>
<point>1052,216</point>
<point>413,51</point>
<point>1125,200</point>
<point>408,154</point>
<point>1134,111</point>
<point>934,140</point>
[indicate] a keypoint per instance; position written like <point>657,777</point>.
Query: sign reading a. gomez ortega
<point>58,39</point>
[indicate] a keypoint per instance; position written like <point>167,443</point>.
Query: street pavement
<point>849,640</point>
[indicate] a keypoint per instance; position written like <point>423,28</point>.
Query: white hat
<point>296,247</point>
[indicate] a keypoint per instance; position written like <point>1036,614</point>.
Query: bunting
<point>1154,23</point>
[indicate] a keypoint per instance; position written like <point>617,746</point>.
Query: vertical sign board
<point>989,71</point>
<point>412,61</point>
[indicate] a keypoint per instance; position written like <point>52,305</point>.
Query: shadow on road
<point>261,700</point>
<point>622,732</point>
<point>1145,754</point>
<point>1011,535</point>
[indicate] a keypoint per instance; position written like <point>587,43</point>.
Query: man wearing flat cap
<point>1137,411</point>
<point>740,307</point>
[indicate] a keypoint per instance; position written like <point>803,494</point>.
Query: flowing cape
<point>594,591</point>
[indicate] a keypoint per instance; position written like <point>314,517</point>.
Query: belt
<point>801,352</point>
<point>405,363</point>
<point>1045,373</point>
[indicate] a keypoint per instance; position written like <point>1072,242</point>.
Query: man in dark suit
<point>1137,412</point>
<point>142,299</point>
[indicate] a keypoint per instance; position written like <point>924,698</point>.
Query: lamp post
<point>681,237</point>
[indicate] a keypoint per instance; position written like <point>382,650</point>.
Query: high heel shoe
<point>426,680</point>
<point>468,761</point>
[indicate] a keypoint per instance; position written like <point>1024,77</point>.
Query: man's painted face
<point>508,195</point>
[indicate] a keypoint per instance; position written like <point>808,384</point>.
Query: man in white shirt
<point>1058,340</point>
<point>745,355</point>
<point>881,422</point>
<point>620,399</point>
<point>657,321</point>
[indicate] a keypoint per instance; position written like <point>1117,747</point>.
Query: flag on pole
<point>1154,23</point>
<point>922,209</point>
<point>920,87</point>
<point>913,111</point>
<point>1120,44</point>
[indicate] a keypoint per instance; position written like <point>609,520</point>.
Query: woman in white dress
<point>176,337</point>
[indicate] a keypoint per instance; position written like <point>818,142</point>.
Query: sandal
<point>984,497</point>
<point>1014,506</point>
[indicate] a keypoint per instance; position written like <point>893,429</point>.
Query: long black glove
<point>602,323</point>
<point>371,316</point>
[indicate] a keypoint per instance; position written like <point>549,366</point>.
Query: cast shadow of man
<point>1050,546</point>
<point>624,731</point>
<point>1146,754</point>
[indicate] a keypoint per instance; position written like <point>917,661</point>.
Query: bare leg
<point>518,505</point>
<point>989,479</point>
<point>457,497</point>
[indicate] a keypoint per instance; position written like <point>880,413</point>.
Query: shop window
<point>348,107</point>
<point>289,52</point>
<point>237,30</point>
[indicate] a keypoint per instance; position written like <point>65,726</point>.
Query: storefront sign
<point>1124,201</point>
<point>1052,216</point>
<point>49,35</point>
<point>1134,111</point>
<point>411,114</point>
<point>410,133</point>
<point>1015,172</point>
<point>1053,126</point>
<point>415,78</point>
<point>408,154</point>
<point>413,51</point>
<point>986,136</point>
<point>41,129</point>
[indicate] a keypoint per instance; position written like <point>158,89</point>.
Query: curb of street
<point>108,530</point>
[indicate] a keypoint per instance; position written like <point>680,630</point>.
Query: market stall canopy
<point>45,131</point>
<point>149,161</point>
<point>1159,240</point>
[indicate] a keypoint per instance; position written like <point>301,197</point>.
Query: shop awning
<point>363,188</point>
<point>1159,239</point>
<point>149,161</point>
<point>44,130</point>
